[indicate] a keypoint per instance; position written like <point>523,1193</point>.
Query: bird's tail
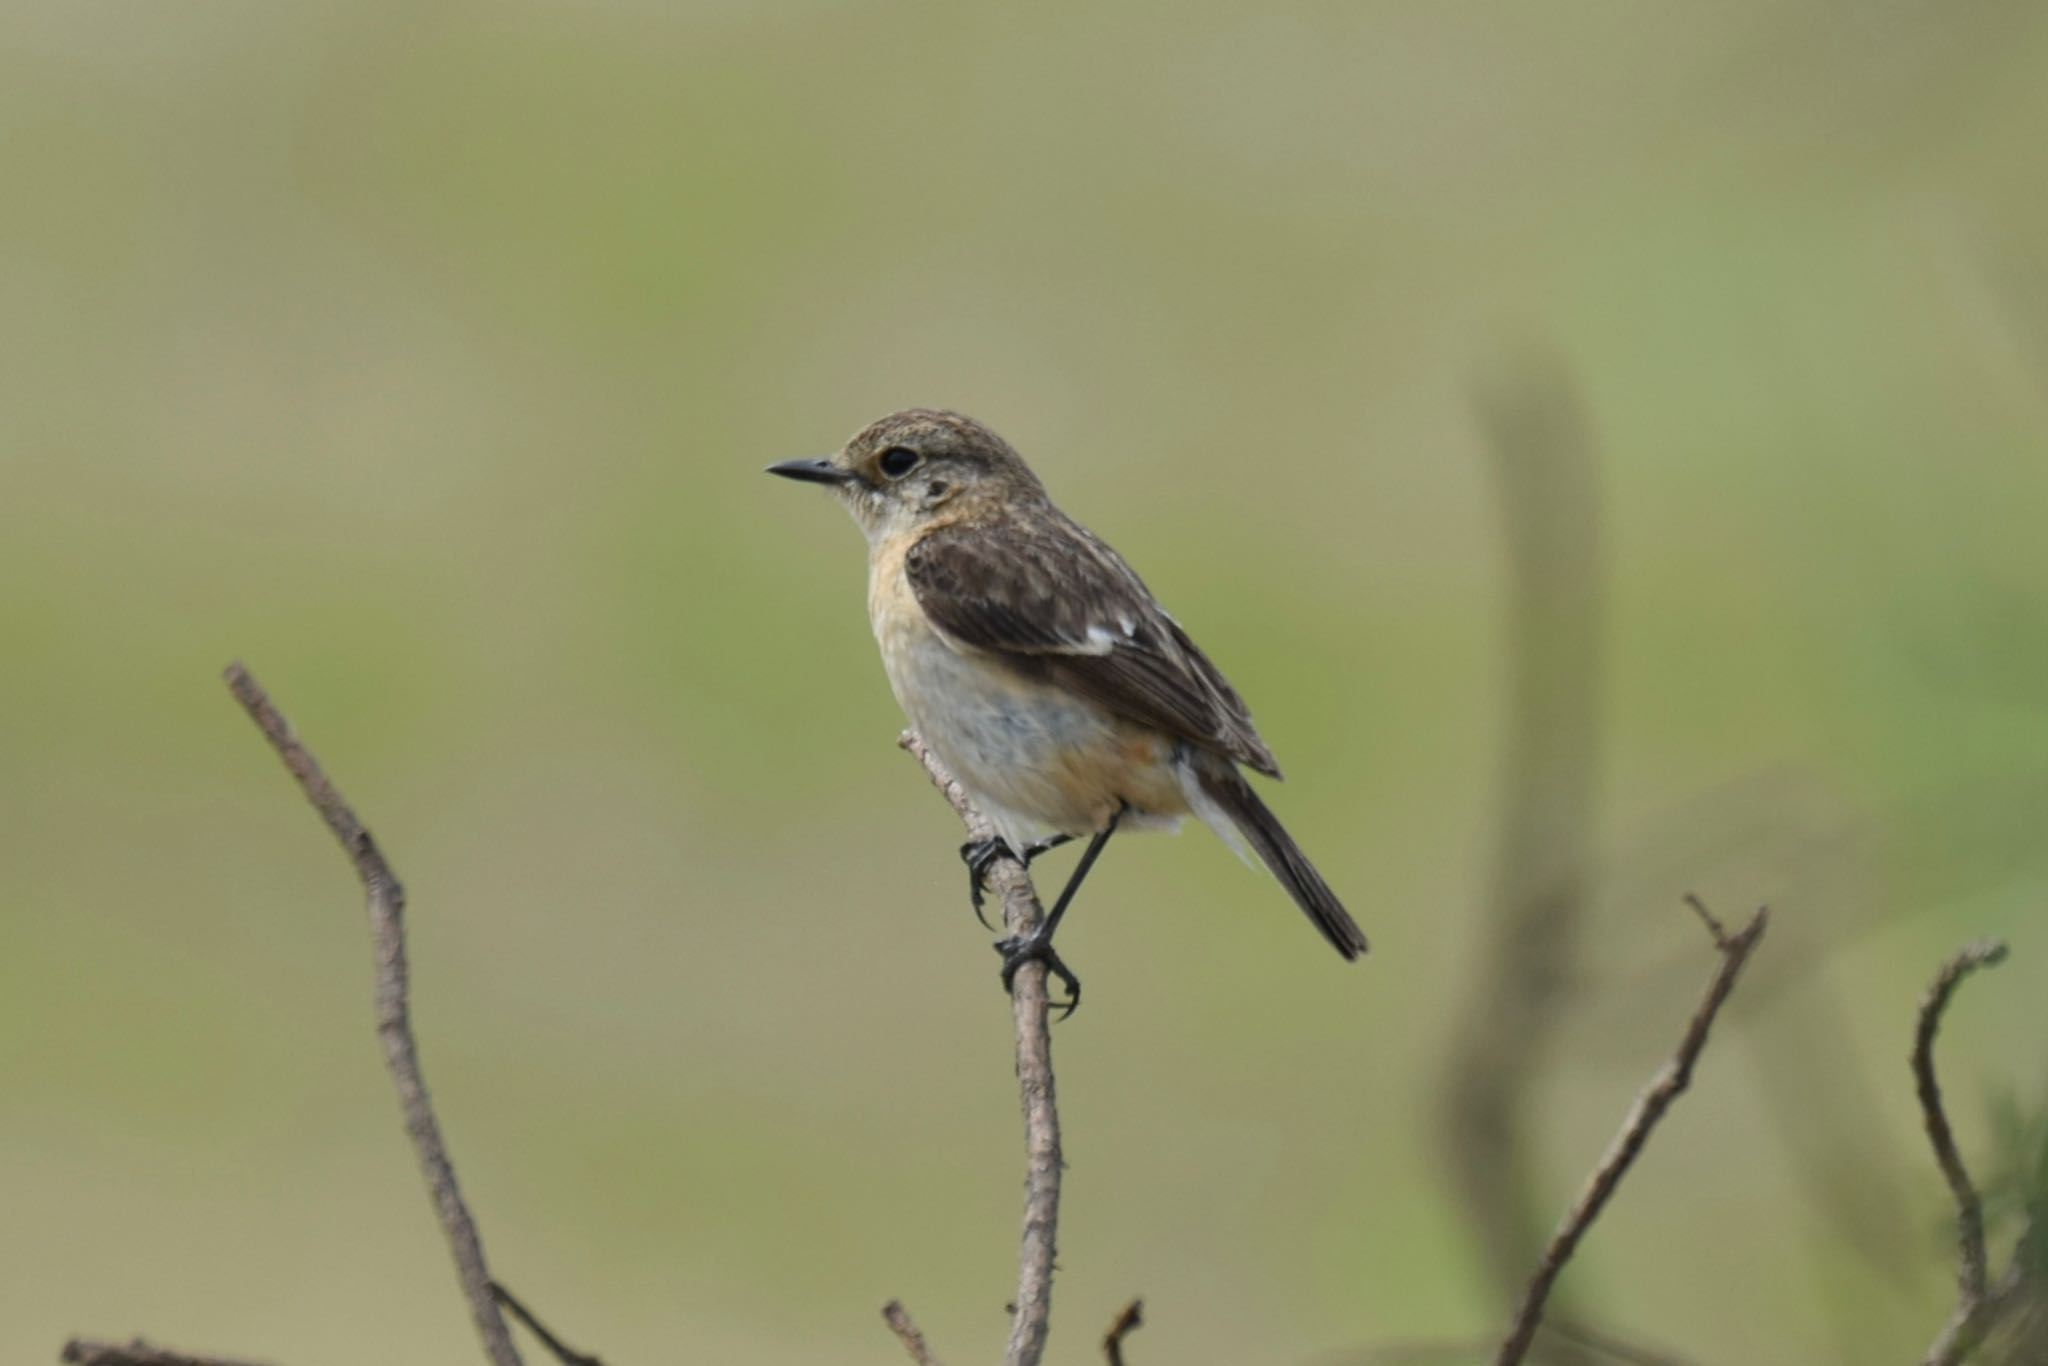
<point>1230,795</point>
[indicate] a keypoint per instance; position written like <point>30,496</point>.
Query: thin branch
<point>1009,879</point>
<point>386,904</point>
<point>1709,919</point>
<point>563,1352</point>
<point>906,1330</point>
<point>1978,1306</point>
<point>1969,1208</point>
<point>1132,1319</point>
<point>1650,1106</point>
<point>80,1352</point>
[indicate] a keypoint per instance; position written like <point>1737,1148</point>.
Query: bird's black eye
<point>897,461</point>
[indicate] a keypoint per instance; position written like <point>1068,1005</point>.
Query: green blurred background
<point>426,357</point>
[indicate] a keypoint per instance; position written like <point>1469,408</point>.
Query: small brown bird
<point>1041,670</point>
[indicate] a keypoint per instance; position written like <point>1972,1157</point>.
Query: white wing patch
<point>1100,642</point>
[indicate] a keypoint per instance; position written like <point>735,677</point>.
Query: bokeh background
<point>1608,443</point>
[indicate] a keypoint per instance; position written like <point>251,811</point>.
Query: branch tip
<point>1131,1319</point>
<point>1708,918</point>
<point>906,1330</point>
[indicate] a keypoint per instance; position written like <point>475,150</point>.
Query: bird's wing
<point>1050,597</point>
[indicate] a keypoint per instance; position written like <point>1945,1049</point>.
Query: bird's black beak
<point>821,471</point>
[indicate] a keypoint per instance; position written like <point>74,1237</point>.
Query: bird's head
<point>903,472</point>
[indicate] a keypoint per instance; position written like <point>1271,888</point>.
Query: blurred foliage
<point>2016,1189</point>
<point>426,358</point>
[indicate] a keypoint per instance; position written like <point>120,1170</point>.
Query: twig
<point>906,1331</point>
<point>1009,879</point>
<point>1635,1132</point>
<point>1977,1306</point>
<point>1130,1320</point>
<point>80,1352</point>
<point>1709,919</point>
<point>1969,1208</point>
<point>563,1352</point>
<point>386,903</point>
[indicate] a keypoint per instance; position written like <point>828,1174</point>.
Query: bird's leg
<point>1037,847</point>
<point>1037,946</point>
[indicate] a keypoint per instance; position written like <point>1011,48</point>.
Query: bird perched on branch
<point>1042,672</point>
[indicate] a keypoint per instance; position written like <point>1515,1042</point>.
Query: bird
<point>1039,668</point>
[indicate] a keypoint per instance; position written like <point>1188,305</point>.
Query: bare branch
<point>906,1331</point>
<point>1978,1307</point>
<point>80,1352</point>
<point>1650,1106</point>
<point>1021,911</point>
<point>1969,1208</point>
<point>386,903</point>
<point>1129,1321</point>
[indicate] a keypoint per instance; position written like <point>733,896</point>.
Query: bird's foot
<point>1036,947</point>
<point>980,856</point>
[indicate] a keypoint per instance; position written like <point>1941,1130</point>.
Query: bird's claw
<point>980,856</point>
<point>1017,950</point>
<point>1037,948</point>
